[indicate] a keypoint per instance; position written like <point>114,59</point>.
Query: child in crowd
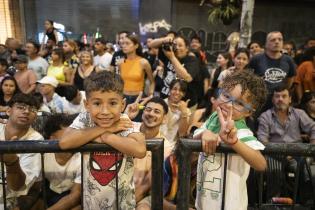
<point>241,95</point>
<point>104,123</point>
<point>62,170</point>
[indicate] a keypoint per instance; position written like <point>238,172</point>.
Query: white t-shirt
<point>210,173</point>
<point>103,62</point>
<point>39,65</point>
<point>75,108</point>
<point>100,173</point>
<point>62,177</point>
<point>170,128</point>
<point>30,164</point>
<point>57,104</point>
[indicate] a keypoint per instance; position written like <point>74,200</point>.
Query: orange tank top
<point>132,74</point>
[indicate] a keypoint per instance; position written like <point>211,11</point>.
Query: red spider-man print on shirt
<point>105,166</point>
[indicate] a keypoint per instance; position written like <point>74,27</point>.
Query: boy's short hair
<point>28,99</point>
<point>160,101</point>
<point>104,81</point>
<point>250,82</point>
<point>56,122</point>
<point>71,92</point>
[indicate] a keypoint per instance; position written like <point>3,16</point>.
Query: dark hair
<point>183,38</point>
<point>182,84</point>
<point>228,57</point>
<point>39,97</point>
<point>307,96</point>
<point>281,88</point>
<point>71,92</point>
<point>101,40</point>
<point>160,101</point>
<point>104,81</point>
<point>56,122</point>
<point>17,89</point>
<point>123,32</point>
<point>60,53</point>
<point>253,42</point>
<point>136,41</point>
<point>196,37</point>
<point>27,99</point>
<point>50,21</point>
<point>35,44</point>
<point>172,32</point>
<point>207,103</point>
<point>250,82</point>
<point>242,50</point>
<point>4,62</point>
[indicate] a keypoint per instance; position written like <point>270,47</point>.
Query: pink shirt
<point>25,79</point>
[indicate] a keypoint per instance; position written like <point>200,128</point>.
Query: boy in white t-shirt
<point>62,170</point>
<point>104,123</point>
<point>241,94</point>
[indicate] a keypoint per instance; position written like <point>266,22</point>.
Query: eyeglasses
<point>238,105</point>
<point>24,107</point>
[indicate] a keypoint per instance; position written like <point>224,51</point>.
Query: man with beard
<point>284,123</point>
<point>154,114</point>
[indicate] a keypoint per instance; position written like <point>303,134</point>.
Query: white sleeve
<point>83,120</point>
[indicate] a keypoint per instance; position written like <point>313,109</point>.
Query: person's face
<point>221,61</point>
<point>181,48</point>
<point>22,114</point>
<point>240,61</point>
<point>241,105</point>
<point>195,44</point>
<point>104,107</point>
<point>55,56</point>
<point>8,87</point>
<point>99,47</point>
<point>121,39</point>
<point>67,48</point>
<point>30,49</point>
<point>311,105</point>
<point>20,65</point>
<point>311,43</point>
<point>47,25</point>
<point>77,99</point>
<point>128,46</point>
<point>2,68</point>
<point>86,59</point>
<point>274,42</point>
<point>46,89</point>
<point>281,100</point>
<point>176,94</point>
<point>255,49</point>
<point>153,115</point>
<point>288,48</point>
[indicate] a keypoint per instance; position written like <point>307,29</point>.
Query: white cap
<point>49,80</point>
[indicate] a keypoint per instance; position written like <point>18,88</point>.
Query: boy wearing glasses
<point>22,170</point>
<point>241,95</point>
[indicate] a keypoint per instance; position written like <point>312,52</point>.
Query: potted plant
<point>226,12</point>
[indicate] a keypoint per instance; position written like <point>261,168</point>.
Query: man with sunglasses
<point>22,170</point>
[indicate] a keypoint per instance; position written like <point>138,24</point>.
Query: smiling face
<point>176,94</point>
<point>153,115</point>
<point>239,103</point>
<point>221,61</point>
<point>181,48</point>
<point>241,60</point>
<point>104,107</point>
<point>86,58</point>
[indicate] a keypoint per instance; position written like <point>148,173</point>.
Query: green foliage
<point>226,12</point>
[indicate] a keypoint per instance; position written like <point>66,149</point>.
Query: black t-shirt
<point>274,71</point>
<point>192,66</point>
<point>116,57</point>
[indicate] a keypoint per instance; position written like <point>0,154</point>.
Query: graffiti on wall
<point>153,27</point>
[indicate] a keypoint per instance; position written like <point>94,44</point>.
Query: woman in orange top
<point>134,69</point>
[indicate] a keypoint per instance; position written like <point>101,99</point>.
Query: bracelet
<point>12,163</point>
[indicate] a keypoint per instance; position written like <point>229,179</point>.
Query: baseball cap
<point>49,80</point>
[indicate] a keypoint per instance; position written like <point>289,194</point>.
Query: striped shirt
<point>210,172</point>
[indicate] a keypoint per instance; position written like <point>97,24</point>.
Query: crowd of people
<point>254,96</point>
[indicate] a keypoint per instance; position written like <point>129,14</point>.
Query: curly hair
<point>249,82</point>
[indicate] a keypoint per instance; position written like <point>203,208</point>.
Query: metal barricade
<point>187,146</point>
<point>156,146</point>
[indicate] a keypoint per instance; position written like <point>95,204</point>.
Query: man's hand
<point>210,141</point>
<point>228,131</point>
<point>133,109</point>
